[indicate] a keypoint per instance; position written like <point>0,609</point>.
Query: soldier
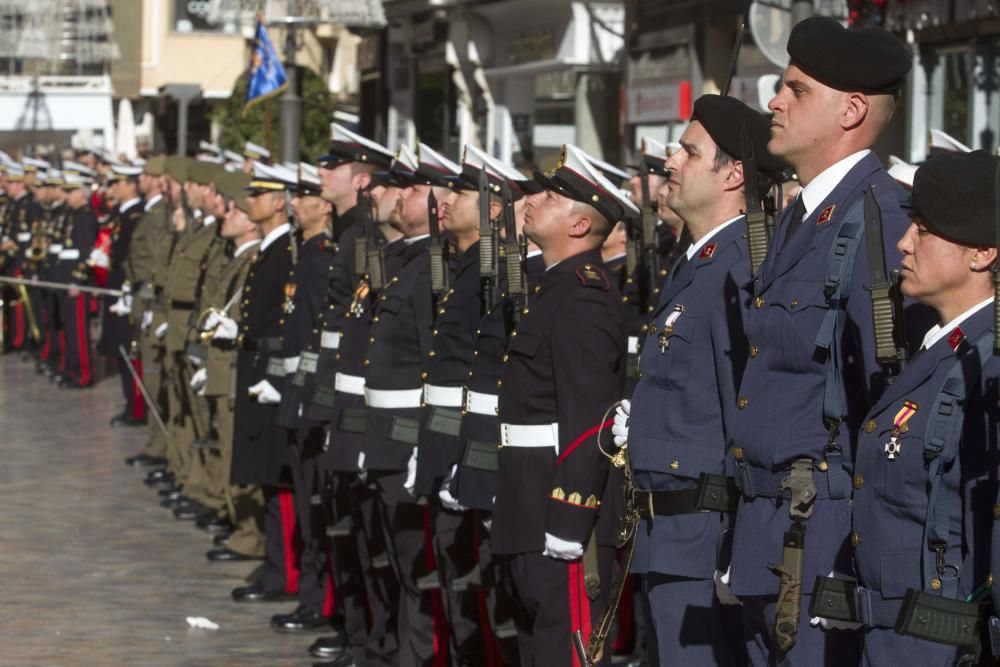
<point>116,329</point>
<point>812,373</point>
<point>23,212</point>
<point>692,362</point>
<point>552,473</point>
<point>254,153</point>
<point>259,450</point>
<point>49,356</point>
<point>217,378</point>
<point>925,479</point>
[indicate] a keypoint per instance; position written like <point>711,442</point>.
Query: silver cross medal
<point>893,448</point>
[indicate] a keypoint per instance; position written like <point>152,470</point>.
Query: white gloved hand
<point>199,379</point>
<point>100,258</point>
<point>829,623</point>
<point>195,360</point>
<point>211,322</point>
<point>123,306</point>
<point>265,393</point>
<point>411,473</point>
<point>722,589</point>
<point>161,330</point>
<point>447,500</point>
<point>361,460</point>
<point>226,329</point>
<point>556,547</point>
<point>620,428</point>
<point>147,320</point>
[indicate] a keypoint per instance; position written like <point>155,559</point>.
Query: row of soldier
<point>428,394</point>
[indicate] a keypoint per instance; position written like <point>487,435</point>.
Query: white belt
<point>55,248</point>
<point>481,404</point>
<point>393,398</point>
<point>330,340</point>
<point>24,237</point>
<point>291,364</point>
<point>73,253</point>
<point>633,345</point>
<point>443,397</point>
<point>349,384</point>
<point>534,435</point>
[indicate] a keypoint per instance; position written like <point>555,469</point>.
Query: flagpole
<point>267,126</point>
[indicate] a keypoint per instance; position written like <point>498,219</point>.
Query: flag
<point>267,76</point>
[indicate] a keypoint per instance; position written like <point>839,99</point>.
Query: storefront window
<point>198,16</point>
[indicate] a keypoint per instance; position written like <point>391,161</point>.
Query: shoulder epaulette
<point>593,276</point>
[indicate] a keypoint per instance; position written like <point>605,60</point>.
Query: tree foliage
<point>240,124</point>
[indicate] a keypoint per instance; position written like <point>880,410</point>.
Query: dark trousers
<point>75,316</point>
<point>551,603</point>
<point>280,571</point>
<point>814,646</point>
<point>304,447</point>
<point>405,526</point>
<point>456,543</point>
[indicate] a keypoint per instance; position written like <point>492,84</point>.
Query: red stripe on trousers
<point>438,620</point>
<point>593,430</point>
<point>330,598</point>
<point>62,351</point>
<point>493,657</point>
<point>46,346</point>
<point>584,603</point>
<point>287,504</point>
<point>18,342</point>
<point>81,339</point>
<point>625,636</point>
<point>573,570</point>
<point>138,400</point>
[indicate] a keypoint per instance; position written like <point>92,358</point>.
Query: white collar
<point>695,247</point>
<point>937,332</point>
<point>821,186</point>
<point>414,239</point>
<point>274,235</point>
<point>150,203</point>
<point>533,253</point>
<point>615,258</point>
<point>129,204</point>
<point>243,248</point>
<point>208,220</point>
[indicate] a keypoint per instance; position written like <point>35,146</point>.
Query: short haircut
<point>599,225</point>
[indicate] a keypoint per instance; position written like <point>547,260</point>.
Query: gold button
<point>737,453</point>
<point>870,425</point>
<point>375,319</point>
<point>371,339</point>
<point>441,311</point>
<point>855,539</point>
<point>795,303</point>
<point>936,584</point>
<point>431,353</point>
<point>337,356</point>
<point>434,333</point>
<point>823,466</point>
<point>366,362</point>
<point>674,465</point>
<point>742,402</point>
<point>754,351</point>
<point>644,328</point>
<point>758,302</point>
<point>859,481</point>
<point>538,289</point>
<point>505,358</point>
<point>499,382</point>
<point>996,511</point>
<point>423,375</point>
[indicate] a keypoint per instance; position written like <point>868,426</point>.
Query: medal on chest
<point>663,339</point>
<point>894,447</point>
<point>359,299</point>
<point>289,305</point>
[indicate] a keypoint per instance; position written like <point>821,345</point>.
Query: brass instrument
<point>29,312</point>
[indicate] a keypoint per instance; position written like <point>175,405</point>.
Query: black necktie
<point>798,213</point>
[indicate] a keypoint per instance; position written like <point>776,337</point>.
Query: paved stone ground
<point>92,571</point>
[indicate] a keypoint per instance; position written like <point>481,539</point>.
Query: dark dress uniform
<point>259,446</point>
<point>552,474</point>
<point>23,215</point>
<point>78,240</point>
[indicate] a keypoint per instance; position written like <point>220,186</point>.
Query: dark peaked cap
<point>953,194</point>
<point>870,60</point>
<point>723,118</point>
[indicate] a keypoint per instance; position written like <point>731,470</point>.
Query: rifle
<point>735,56</point>
<point>376,254</point>
<point>487,247</point>
<point>516,279</point>
<point>648,240</point>
<point>290,217</point>
<point>438,255</point>
<point>996,263</point>
<point>188,213</point>
<point>361,240</point>
<point>887,317</point>
<point>757,234</point>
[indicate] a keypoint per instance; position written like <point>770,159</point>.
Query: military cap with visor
<point>347,146</point>
<point>576,177</point>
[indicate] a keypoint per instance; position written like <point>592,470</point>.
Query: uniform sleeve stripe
<point>593,430</point>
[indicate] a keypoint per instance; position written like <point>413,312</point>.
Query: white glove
<point>361,460</point>
<point>830,624</point>
<point>161,330</point>
<point>448,500</point>
<point>620,428</point>
<point>226,329</point>
<point>199,379</point>
<point>195,360</point>
<point>127,287</point>
<point>265,393</point>
<point>211,322</point>
<point>100,258</point>
<point>411,473</point>
<point>556,547</point>
<point>722,589</point>
<point>147,320</point>
<point>123,306</point>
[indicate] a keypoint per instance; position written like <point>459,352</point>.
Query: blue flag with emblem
<point>267,76</point>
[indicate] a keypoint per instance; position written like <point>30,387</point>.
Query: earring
<point>972,266</point>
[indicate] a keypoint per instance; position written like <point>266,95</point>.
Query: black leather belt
<point>714,493</point>
<point>181,305</point>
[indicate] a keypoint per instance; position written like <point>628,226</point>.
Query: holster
<point>941,620</point>
<point>834,599</point>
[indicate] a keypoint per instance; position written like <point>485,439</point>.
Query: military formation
<point>738,407</point>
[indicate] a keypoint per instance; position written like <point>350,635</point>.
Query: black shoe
<point>216,524</point>
<point>227,555</point>
<point>328,646</point>
<point>144,460</point>
<point>254,593</point>
<point>191,512</point>
<point>300,620</point>
<point>169,491</point>
<point>342,660</point>
<point>175,503</point>
<point>221,539</point>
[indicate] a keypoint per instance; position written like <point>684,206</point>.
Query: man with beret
<point>691,365</point>
<point>925,498</point>
<point>547,520</point>
<point>812,371</point>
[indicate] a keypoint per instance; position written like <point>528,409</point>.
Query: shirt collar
<point>697,246</point>
<point>150,203</point>
<point>274,235</point>
<point>821,186</point>
<point>129,204</point>
<point>243,248</point>
<point>414,239</point>
<point>937,332</point>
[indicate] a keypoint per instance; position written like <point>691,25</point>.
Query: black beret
<point>723,118</point>
<point>869,60</point>
<point>954,195</point>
